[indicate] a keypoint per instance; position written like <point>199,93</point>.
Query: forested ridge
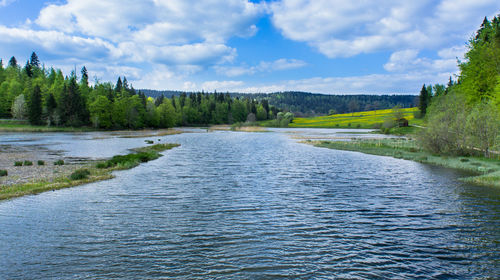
<point>464,118</point>
<point>311,104</point>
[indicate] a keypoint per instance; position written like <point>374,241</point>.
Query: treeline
<point>463,118</point>
<point>310,104</point>
<point>46,97</point>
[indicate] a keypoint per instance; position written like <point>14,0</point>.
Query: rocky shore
<point>9,154</point>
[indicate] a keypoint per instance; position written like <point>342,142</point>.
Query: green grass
<point>88,174</point>
<point>367,119</point>
<point>487,170</point>
<point>80,174</point>
<point>19,126</point>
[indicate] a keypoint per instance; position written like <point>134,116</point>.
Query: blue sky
<point>324,46</point>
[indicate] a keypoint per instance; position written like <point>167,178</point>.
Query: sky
<point>321,46</point>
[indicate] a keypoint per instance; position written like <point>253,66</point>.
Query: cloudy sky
<point>324,46</point>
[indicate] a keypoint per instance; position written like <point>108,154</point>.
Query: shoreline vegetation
<point>86,173</point>
<point>486,171</point>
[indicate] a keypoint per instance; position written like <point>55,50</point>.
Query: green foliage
<point>27,163</point>
<point>424,99</point>
<point>18,163</point>
<point>142,155</point>
<point>3,172</point>
<point>40,162</point>
<point>100,112</point>
<point>464,119</point>
<point>35,106</point>
<point>80,174</point>
<point>19,109</point>
<point>59,162</point>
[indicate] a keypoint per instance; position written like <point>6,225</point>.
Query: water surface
<point>230,205</point>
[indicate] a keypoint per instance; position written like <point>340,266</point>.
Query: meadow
<point>366,119</point>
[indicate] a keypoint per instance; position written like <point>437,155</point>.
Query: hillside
<point>313,104</point>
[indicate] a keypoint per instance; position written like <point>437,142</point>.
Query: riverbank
<point>486,171</point>
<point>40,178</point>
<point>237,128</point>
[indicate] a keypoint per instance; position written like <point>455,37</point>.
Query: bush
<point>59,162</point>
<point>464,159</point>
<point>3,172</point>
<point>102,165</point>
<point>80,174</point>
<point>40,162</point>
<point>27,163</point>
<point>149,141</point>
<point>18,163</point>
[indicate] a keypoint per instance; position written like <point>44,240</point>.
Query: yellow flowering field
<point>367,119</point>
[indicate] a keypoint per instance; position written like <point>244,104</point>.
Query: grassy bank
<point>367,119</point>
<point>17,126</point>
<point>88,173</point>
<point>487,170</point>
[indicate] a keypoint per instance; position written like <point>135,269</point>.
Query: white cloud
<point>221,85</point>
<point>348,28</point>
<point>158,31</point>
<point>264,66</point>
<point>408,61</point>
<point>4,3</point>
<point>398,83</point>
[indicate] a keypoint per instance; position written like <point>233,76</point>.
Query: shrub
<point>18,163</point>
<point>464,159</point>
<point>358,125</point>
<point>149,141</point>
<point>40,162</point>
<point>80,174</point>
<point>27,163</point>
<point>59,162</point>
<point>102,165</point>
<point>3,172</point>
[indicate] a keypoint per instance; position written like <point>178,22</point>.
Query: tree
<point>119,85</point>
<point>35,106</point>
<point>261,113</point>
<point>85,76</point>
<point>166,114</point>
<point>100,112</point>
<point>34,61</point>
<point>28,70</point>
<point>482,127</point>
<point>445,132</point>
<point>423,101</point>
<point>19,110</point>
<point>51,106</point>
<point>353,106</point>
<point>13,62</point>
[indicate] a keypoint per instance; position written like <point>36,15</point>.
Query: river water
<point>231,205</point>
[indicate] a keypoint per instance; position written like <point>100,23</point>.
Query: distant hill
<point>311,104</point>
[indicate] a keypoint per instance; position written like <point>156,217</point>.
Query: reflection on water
<point>254,205</point>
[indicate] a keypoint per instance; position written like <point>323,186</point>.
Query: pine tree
<point>423,98</point>
<point>34,61</point>
<point>35,106</point>
<point>13,62</point>
<point>85,76</point>
<point>119,85</point>
<point>28,70</point>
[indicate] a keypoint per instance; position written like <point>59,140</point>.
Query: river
<point>234,205</point>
